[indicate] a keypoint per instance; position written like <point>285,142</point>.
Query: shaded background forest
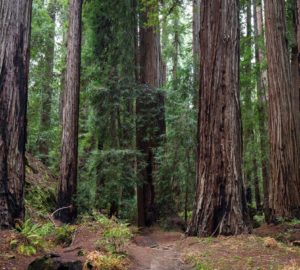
<point>109,88</point>
<point>108,154</point>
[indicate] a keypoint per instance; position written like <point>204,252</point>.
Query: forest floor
<point>269,247</point>
<point>154,249</point>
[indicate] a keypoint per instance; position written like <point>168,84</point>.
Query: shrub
<point>115,235</point>
<point>97,261</point>
<point>64,235</point>
<point>32,237</point>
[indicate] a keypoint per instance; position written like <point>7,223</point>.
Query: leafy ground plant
<point>115,234</point>
<point>97,261</point>
<point>32,237</point>
<point>64,235</point>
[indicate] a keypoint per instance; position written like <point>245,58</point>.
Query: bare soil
<point>156,250</point>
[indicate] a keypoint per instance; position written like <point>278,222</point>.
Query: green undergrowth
<point>110,247</point>
<point>33,237</point>
<point>197,263</point>
<point>98,261</point>
<point>115,234</point>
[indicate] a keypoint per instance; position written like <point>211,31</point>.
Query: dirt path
<point>156,250</point>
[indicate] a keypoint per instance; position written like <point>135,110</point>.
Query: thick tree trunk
<point>295,67</point>
<point>220,198</point>
<point>149,128</point>
<point>262,102</point>
<point>298,34</point>
<point>70,115</point>
<point>15,18</point>
<point>284,149</point>
<point>45,121</point>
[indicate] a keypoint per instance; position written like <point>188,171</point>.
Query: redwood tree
<point>295,61</point>
<point>298,31</point>
<point>70,115</point>
<point>45,121</point>
<point>196,46</point>
<point>15,18</point>
<point>284,198</point>
<point>220,206</point>
<point>261,79</point>
<point>150,114</point>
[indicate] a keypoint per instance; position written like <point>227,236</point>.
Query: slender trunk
<point>63,78</point>
<point>175,52</point>
<point>256,185</point>
<point>15,19</point>
<point>70,116</point>
<point>45,121</point>
<point>248,125</point>
<point>149,131</point>
<point>284,152</point>
<point>220,206</point>
<point>249,135</point>
<point>262,103</point>
<point>196,48</point>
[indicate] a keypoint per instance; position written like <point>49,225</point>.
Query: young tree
<point>284,149</point>
<point>261,80</point>
<point>45,121</point>
<point>15,18</point>
<point>247,85</point>
<point>196,46</point>
<point>150,113</point>
<point>220,206</point>
<point>70,116</point>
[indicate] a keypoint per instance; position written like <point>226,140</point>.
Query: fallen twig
<point>51,217</point>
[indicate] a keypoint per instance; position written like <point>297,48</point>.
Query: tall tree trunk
<point>262,102</point>
<point>196,48</point>
<point>175,51</point>
<point>149,130</point>
<point>249,135</point>
<point>15,19</point>
<point>298,33</point>
<point>284,149</point>
<point>295,67</point>
<point>256,185</point>
<point>220,206</point>
<point>70,116</point>
<point>45,121</point>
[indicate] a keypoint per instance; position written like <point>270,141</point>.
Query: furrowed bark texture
<point>298,34</point>
<point>15,18</point>
<point>220,200</point>
<point>70,116</point>
<point>284,197</point>
<point>295,69</point>
<point>296,64</point>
